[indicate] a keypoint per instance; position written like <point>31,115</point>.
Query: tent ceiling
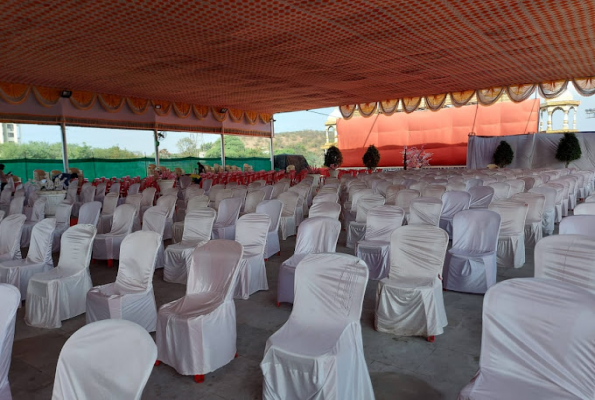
<point>272,56</point>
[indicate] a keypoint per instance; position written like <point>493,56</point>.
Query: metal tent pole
<point>64,147</point>
<point>156,137</point>
<point>223,149</point>
<point>271,144</point>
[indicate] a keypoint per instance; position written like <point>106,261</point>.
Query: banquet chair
<point>268,191</point>
<point>169,203</point>
<point>148,200</point>
<point>225,224</point>
<point>63,212</point>
<point>325,198</point>
<point>404,198</point>
<point>391,193</point>
<point>121,352</point>
<point>107,245</point>
<point>198,226</point>
<point>516,186</point>
<point>425,211</point>
<point>578,225</point>
<point>110,202</point>
<point>190,192</point>
<point>585,209</point>
<point>154,221</point>
<point>71,193</point>
<point>529,182</point>
<point>220,196</point>
<point>278,188</point>
<point>131,296</point>
<point>534,220</point>
<point>382,186</point>
<point>11,300</point>
<point>350,206</point>
<point>135,201</point>
<point>39,258</point>
<point>409,301</point>
<point>325,209</point>
<point>206,185</point>
<point>374,248</point>
<point>472,182</point>
<point>87,196</point>
<point>196,334</point>
<point>565,203</point>
<point>11,228</point>
<point>252,200</point>
<point>315,235</point>
<point>115,188</point>
<point>134,189</point>
<point>511,239</point>
<point>17,205</point>
<point>194,203</point>
<point>240,192</point>
<point>419,186</point>
<point>357,228</point>
<point>59,294</point>
<point>470,264</point>
<point>435,191</point>
<point>89,213</point>
<point>212,193</point>
<point>1,215</point>
<point>37,214</point>
<point>501,190</point>
<point>452,203</point>
<point>251,232</point>
<point>537,341</point>
<point>318,352</point>
<point>5,199</point>
<point>272,208</point>
<point>100,191</point>
<point>549,209</point>
<point>288,216</point>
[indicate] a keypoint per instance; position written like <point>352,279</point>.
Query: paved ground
<point>400,367</point>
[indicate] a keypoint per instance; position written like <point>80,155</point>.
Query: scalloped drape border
<point>486,97</point>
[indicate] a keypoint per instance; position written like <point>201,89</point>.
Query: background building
<point>10,133</point>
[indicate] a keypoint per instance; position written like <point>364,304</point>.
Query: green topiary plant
<point>503,154</point>
<point>333,157</point>
<point>569,148</point>
<point>371,157</point>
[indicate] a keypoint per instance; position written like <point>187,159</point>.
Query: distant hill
<point>307,143</point>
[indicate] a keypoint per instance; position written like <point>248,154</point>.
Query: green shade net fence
<point>100,167</point>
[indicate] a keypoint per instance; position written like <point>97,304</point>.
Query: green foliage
<point>333,156</point>
<point>372,157</point>
<point>307,143</point>
<point>569,148</point>
<point>503,154</point>
<point>53,151</point>
<point>189,146</point>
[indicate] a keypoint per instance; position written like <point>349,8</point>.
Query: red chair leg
<point>93,261</point>
<point>278,253</point>
<point>236,356</point>
<point>431,339</point>
<point>110,263</point>
<point>157,363</point>
<point>278,304</point>
<point>199,378</point>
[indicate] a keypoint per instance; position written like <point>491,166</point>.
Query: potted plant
<point>569,149</point>
<point>503,155</point>
<point>371,158</point>
<point>333,158</point>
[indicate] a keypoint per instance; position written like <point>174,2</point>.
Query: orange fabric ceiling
<point>272,56</point>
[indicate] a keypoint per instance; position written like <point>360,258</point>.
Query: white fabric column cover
<point>374,249</point>
<point>549,211</point>
<point>409,301</point>
<point>11,300</point>
<point>197,333</point>
<point>89,213</point>
<point>273,209</point>
<point>567,258</point>
<point>453,202</point>
<point>10,237</point>
<point>318,353</point>
<point>63,213</point>
<point>425,211</point>
<point>129,355</point>
<point>194,203</point>
<point>251,233</point>
<point>533,222</point>
<point>316,235</point>
<point>585,209</point>
<point>537,343</point>
<point>511,240</point>
<point>325,209</point>
<point>578,225</point>
<point>252,200</point>
<point>225,224</point>
<point>39,258</point>
<point>131,296</point>
<point>154,221</point>
<point>16,205</point>
<point>501,190</point>
<point>325,197</point>
<point>110,202</point>
<point>198,227</point>
<point>135,200</point>
<point>470,264</point>
<point>107,245</point>
<point>59,294</point>
<point>288,215</point>
<point>357,229</point>
<point>435,191</point>
<point>169,203</point>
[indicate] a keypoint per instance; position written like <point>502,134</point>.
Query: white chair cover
<point>17,205</point>
<point>37,214</point>
<point>131,296</point>
<point>501,190</point>
<point>578,225</point>
<point>425,211</point>
<point>10,300</point>
<point>585,209</point>
<point>325,209</point>
<point>115,188</point>
<point>534,220</point>
<point>87,196</point>
<point>481,196</point>
<point>318,353</point>
<point>288,216</point>
<point>511,240</point>
<point>374,249</point>
<point>59,294</point>
<point>168,202</point>
<point>89,213</point>
<point>252,200</point>
<point>316,235</point>
<point>135,200</point>
<point>225,224</point>
<point>409,301</point>
<point>472,182</point>
<point>279,188</point>
<point>207,184</point>
<point>197,333</point>
<point>251,233</point>
<point>198,226</point>
<point>325,198</point>
<point>470,264</point>
<point>194,203</point>
<point>537,343</point>
<point>110,202</point>
<point>435,191</point>
<point>357,229</point>
<point>453,202</point>
<point>134,189</point>
<point>148,200</point>
<point>63,212</point>
<point>549,210</point>
<point>10,237</point>
<point>5,198</point>
<point>391,193</point>
<point>100,191</point>
<point>154,221</point>
<point>404,198</point>
<point>128,354</point>
<point>39,258</point>
<point>107,245</point>
<point>273,209</point>
<point>516,186</point>
<point>220,196</point>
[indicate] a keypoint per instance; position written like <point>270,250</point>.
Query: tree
<point>569,149</point>
<point>503,154</point>
<point>371,158</point>
<point>190,145</point>
<point>234,148</point>
<point>333,156</point>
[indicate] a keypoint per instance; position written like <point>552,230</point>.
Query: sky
<point>284,122</point>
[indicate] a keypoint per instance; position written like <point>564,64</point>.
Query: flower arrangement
<point>167,175</point>
<point>195,178</point>
<point>417,158</point>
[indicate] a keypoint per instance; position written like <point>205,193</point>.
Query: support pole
<point>156,138</point>
<point>223,151</point>
<point>271,145</point>
<point>64,147</point>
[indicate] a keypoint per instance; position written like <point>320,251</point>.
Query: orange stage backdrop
<point>443,133</point>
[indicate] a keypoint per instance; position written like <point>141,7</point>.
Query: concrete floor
<point>400,367</point>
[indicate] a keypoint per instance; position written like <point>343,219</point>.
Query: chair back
<point>198,225</point>
<point>76,246</point>
<point>251,232</point>
<point>425,211</point>
<point>476,231</point>
<point>273,209</point>
<point>317,235</point>
<point>138,254</point>
<point>382,221</point>
<point>417,251</point>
